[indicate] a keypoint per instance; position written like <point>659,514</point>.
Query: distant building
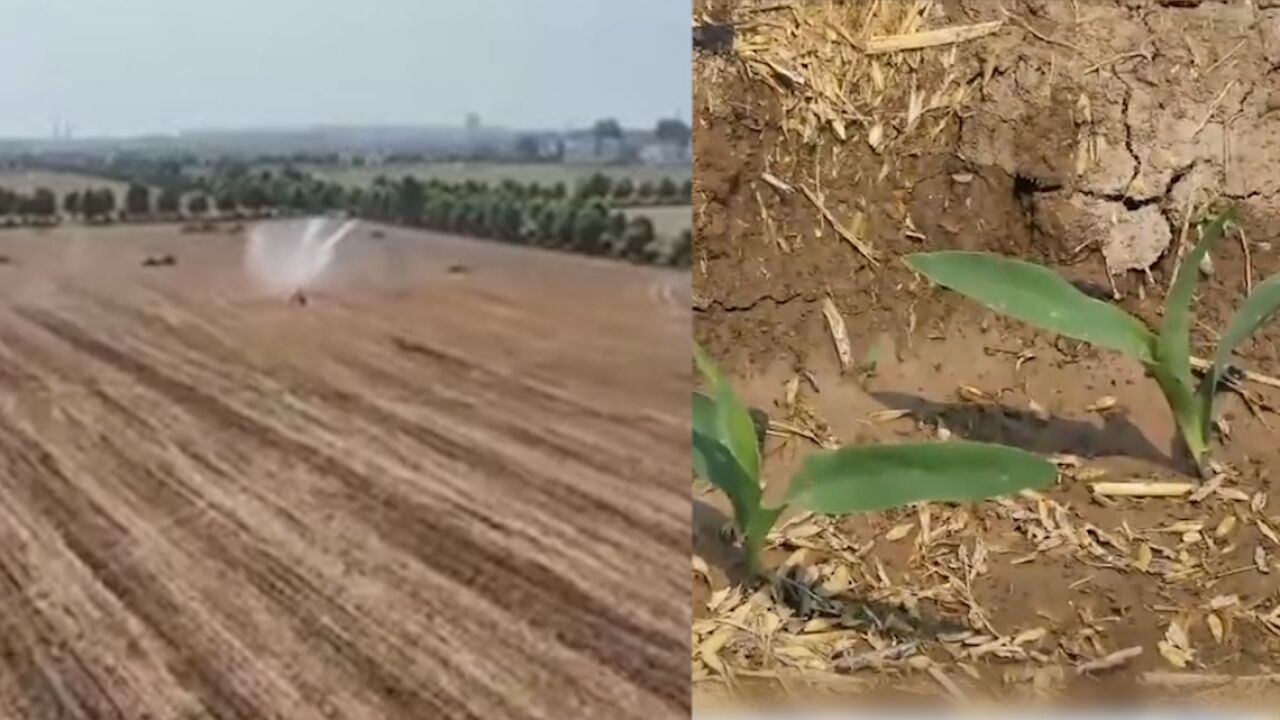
<point>666,153</point>
<point>550,147</point>
<point>584,148</point>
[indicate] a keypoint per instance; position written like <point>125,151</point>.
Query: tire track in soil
<point>25,642</point>
<point>554,401</point>
<point>549,401</point>
<point>315,614</point>
<point>634,430</point>
<point>175,477</point>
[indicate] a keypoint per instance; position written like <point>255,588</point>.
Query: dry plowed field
<point>453,485</point>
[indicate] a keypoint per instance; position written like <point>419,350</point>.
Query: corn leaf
<point>1261,305</point>
<point>705,423</point>
<point>717,465</point>
<point>734,427</point>
<point>725,450</point>
<point>1038,296</point>
<point>1173,346</point>
<point>878,477</point>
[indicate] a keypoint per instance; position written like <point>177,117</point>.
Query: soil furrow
<point>590,509</point>
<point>599,631</point>
<point>88,531</point>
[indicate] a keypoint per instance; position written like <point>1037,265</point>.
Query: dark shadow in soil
<point>711,546</point>
<point>890,619</point>
<point>1000,424</point>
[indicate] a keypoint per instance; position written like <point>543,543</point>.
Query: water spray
<point>286,262</point>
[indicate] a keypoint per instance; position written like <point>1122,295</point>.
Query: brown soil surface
<point>1085,132</point>
<point>424,494</point>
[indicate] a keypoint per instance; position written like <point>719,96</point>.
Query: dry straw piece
<point>931,38</point>
<point>1110,661</point>
<point>872,65</point>
<point>851,234</point>
<point>839,334</point>
<point>841,617</point>
<point>1143,489</point>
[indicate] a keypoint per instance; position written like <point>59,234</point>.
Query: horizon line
<point>312,127</point>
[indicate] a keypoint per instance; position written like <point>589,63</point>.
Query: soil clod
<point>159,261</point>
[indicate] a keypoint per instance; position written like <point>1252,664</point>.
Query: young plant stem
<point>1201,461</point>
<point>1181,404</point>
<point>754,536</point>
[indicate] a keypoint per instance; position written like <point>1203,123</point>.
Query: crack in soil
<point>1244,101</point>
<point>1132,203</point>
<point>1252,195</point>
<point>701,305</point>
<point>1128,136</point>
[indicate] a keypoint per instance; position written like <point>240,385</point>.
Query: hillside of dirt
<point>425,493</point>
<point>1088,136</point>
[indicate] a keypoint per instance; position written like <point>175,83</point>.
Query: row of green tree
<point>265,187</point>
<point>625,191</point>
<point>38,205</point>
<point>532,214</point>
<point>580,223</point>
<point>550,215</point>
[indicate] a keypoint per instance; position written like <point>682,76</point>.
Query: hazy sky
<point>121,67</point>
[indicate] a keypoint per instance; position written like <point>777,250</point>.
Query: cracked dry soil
<point>1091,130</point>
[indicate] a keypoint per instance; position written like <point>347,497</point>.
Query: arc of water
<point>323,254</point>
<point>305,261</point>
<point>338,235</point>
<point>312,231</point>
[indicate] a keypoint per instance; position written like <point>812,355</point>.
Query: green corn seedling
<point>1041,297</point>
<point>850,480</point>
